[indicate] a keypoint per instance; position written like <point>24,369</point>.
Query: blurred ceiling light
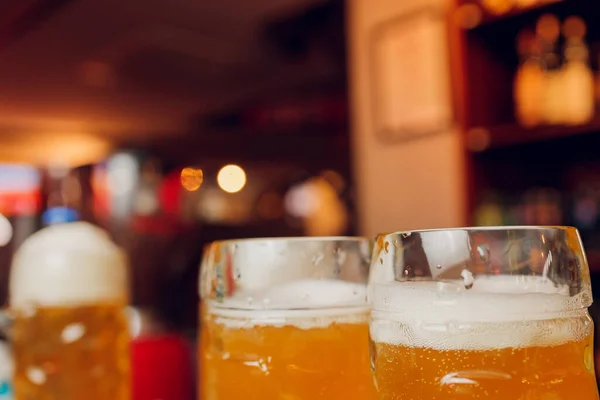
<point>191,179</point>
<point>231,178</point>
<point>6,231</point>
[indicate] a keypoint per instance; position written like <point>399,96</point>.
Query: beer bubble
<point>72,333</point>
<point>340,256</point>
<point>484,252</point>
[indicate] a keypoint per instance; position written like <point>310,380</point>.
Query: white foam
<point>500,311</point>
<point>68,264</point>
<point>305,303</point>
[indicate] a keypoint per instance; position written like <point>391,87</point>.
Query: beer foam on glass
<point>68,293</point>
<point>494,313</point>
<point>292,326</point>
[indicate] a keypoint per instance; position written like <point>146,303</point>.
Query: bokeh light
<point>191,179</point>
<point>6,231</point>
<point>231,178</point>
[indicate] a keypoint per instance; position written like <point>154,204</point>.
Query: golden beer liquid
<point>72,353</point>
<point>290,361</point>
<point>562,371</point>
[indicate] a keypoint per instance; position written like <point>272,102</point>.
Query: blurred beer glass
<point>285,319</point>
<point>68,293</point>
<point>490,313</point>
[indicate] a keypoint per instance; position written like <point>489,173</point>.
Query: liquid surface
<point>72,353</point>
<point>508,338</point>
<point>301,358</point>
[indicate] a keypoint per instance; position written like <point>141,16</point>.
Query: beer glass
<point>285,319</point>
<point>490,313</point>
<point>68,292</point>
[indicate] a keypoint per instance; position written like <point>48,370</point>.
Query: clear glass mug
<point>285,319</point>
<point>67,320</point>
<point>494,313</point>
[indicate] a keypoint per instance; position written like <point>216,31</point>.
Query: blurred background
<point>173,124</point>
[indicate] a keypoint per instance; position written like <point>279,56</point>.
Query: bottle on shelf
<point>577,76</point>
<point>529,81</point>
<point>548,32</point>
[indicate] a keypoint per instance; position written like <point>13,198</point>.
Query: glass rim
<point>490,228</point>
<point>293,239</point>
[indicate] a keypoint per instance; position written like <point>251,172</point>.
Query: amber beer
<point>285,319</point>
<point>68,293</point>
<point>297,355</point>
<point>448,344</point>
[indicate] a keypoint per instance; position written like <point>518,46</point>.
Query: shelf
<point>487,18</point>
<point>487,138</point>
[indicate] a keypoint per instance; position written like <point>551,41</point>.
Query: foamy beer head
<point>68,264</point>
<point>286,273</point>
<point>445,281</point>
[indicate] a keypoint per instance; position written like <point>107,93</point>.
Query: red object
<point>170,193</point>
<point>161,368</point>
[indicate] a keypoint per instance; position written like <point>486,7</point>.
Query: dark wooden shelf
<point>516,13</point>
<point>487,138</point>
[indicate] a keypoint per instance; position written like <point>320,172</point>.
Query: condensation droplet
<point>484,252</point>
<point>439,266</point>
<point>317,258</point>
<point>340,256</point>
<point>386,299</point>
<point>386,247</point>
<point>380,260</point>
<point>468,278</point>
